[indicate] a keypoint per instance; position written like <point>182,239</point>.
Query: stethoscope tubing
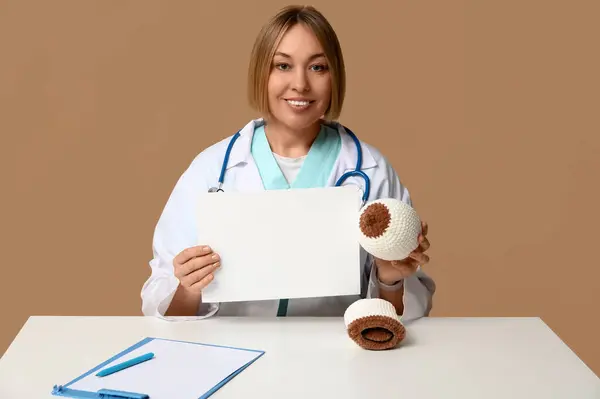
<point>356,172</point>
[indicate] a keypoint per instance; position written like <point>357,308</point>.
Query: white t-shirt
<point>289,166</point>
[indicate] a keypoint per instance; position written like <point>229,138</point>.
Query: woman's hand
<point>195,266</point>
<point>390,272</point>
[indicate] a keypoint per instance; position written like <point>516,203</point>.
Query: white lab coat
<point>176,230</point>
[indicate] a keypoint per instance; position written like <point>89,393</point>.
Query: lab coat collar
<point>241,151</point>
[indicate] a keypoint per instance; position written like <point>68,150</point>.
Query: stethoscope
<point>356,172</point>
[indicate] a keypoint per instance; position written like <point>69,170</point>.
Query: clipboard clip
<point>112,394</point>
<point>104,393</point>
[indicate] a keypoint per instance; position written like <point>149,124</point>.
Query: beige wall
<point>488,111</point>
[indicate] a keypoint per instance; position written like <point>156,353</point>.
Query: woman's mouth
<point>299,104</point>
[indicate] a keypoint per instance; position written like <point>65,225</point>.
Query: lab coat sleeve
<point>175,231</point>
<point>418,288</point>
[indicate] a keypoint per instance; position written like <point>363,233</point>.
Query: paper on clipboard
<point>180,369</point>
<point>273,244</point>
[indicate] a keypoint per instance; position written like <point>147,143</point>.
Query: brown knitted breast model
<point>388,229</point>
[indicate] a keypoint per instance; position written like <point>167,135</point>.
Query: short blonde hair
<point>266,44</point>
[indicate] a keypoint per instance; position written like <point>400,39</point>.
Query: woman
<point>297,83</point>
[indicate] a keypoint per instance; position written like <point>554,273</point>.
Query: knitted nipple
<point>389,229</point>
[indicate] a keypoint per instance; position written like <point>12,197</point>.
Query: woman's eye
<point>318,68</point>
<point>283,67</point>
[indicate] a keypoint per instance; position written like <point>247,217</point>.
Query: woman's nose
<point>300,82</point>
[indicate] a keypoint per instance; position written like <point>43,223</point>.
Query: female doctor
<point>297,83</point>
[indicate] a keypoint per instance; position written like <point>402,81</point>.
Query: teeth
<point>298,103</point>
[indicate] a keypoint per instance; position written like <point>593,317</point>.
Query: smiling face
<point>299,84</point>
<point>297,56</point>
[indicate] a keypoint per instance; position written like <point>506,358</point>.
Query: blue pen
<point>126,364</point>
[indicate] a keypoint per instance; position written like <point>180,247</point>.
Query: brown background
<point>488,111</point>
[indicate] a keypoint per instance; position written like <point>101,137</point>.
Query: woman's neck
<point>289,142</point>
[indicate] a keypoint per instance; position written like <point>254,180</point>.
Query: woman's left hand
<point>390,272</point>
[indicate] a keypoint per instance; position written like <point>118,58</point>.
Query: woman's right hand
<point>195,266</point>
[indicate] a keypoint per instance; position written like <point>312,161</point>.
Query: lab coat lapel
<point>242,172</point>
<point>346,161</point>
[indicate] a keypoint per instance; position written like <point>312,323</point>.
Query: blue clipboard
<point>66,390</point>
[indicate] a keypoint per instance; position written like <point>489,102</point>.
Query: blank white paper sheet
<point>181,370</point>
<point>273,244</point>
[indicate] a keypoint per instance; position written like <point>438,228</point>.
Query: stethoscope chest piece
<point>216,190</point>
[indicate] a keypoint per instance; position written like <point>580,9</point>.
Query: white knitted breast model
<point>389,229</point>
<point>369,307</point>
<point>372,323</point>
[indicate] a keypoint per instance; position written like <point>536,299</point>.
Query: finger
<point>200,285</point>
<point>189,253</point>
<point>424,228</point>
<point>419,257</point>
<point>198,263</point>
<point>414,266</point>
<point>200,278</point>
<point>406,267</point>
<point>423,244</point>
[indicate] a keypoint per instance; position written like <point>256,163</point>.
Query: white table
<point>440,358</point>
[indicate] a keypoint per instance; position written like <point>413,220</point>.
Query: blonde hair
<point>266,44</point>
